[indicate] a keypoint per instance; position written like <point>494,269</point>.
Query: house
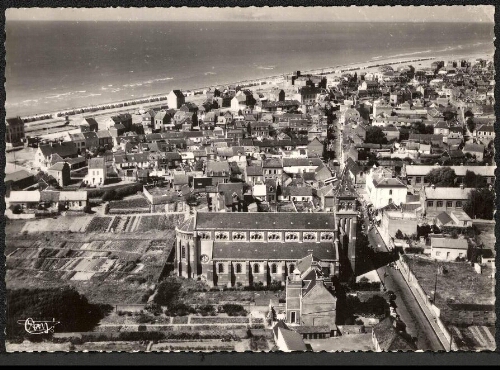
<point>104,139</point>
<point>310,298</point>
<point>218,171</point>
<point>391,132</point>
<point>272,168</point>
<point>438,199</point>
<point>416,174</point>
<point>229,197</point>
<point>301,165</point>
<point>457,218</point>
<point>308,95</point>
<point>18,180</point>
<point>242,100</point>
<point>448,249</point>
<point>26,200</point>
<point>383,189</point>
<point>124,119</point>
<point>97,172</point>
<point>315,148</point>
<point>79,139</point>
<point>61,172</point>
<point>355,172</point>
<point>395,220</point>
<point>297,194</point>
<point>180,180</point>
<point>88,124</point>
<point>201,183</point>
<point>390,335</point>
<point>91,140</point>
<point>475,150</point>
<point>189,107</point>
<point>175,99</point>
<point>327,198</point>
<point>441,128</point>
<point>485,133</point>
<point>287,340</point>
<point>160,120</point>
<point>73,200</point>
<point>254,175</point>
<point>45,153</point>
<point>14,131</point>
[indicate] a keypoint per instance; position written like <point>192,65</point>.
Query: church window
<point>274,268</point>
<point>256,268</point>
<point>292,268</point>
<point>220,268</point>
<point>238,268</point>
<point>183,252</point>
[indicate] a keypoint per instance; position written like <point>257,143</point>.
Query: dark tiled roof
<point>270,221</point>
<point>17,176</point>
<point>291,251</point>
<point>97,163</point>
<point>64,149</point>
<point>390,339</point>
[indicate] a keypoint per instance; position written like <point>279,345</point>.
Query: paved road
<point>407,307</point>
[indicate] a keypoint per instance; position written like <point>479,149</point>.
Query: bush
<point>234,309</point>
<point>16,209</point>
<point>144,319</point>
<point>109,195</point>
<point>153,308</point>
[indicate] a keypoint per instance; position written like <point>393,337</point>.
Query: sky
<point>455,13</point>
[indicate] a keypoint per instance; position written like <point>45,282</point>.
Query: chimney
<point>433,186</point>
<point>462,186</point>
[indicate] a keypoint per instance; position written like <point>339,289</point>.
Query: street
<point>407,306</point>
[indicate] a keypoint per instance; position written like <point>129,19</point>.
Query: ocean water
<point>53,66</point>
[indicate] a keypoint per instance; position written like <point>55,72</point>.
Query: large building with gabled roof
<point>233,249</point>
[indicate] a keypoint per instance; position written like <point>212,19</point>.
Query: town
<point>348,209</point>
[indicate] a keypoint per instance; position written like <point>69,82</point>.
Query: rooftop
<point>266,221</point>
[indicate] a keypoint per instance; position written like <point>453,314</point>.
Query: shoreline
<point>273,80</point>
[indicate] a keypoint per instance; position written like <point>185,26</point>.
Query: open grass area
<point>460,285</point>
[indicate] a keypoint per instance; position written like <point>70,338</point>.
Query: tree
<point>375,135</point>
<point>442,176</point>
<point>471,125</point>
<point>249,129</point>
<point>71,309</point>
<point>169,292</point>
<point>109,195</point>
<point>480,204</point>
<point>399,234</point>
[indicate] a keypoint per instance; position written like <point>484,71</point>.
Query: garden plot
<point>99,224</point>
<point>82,276</point>
<point>159,222</point>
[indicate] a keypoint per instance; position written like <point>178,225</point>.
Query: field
<point>106,267</point>
<point>466,299</point>
<point>125,223</point>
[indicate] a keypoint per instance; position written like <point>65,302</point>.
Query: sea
<point>57,65</point>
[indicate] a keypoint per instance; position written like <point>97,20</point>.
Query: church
<point>242,249</point>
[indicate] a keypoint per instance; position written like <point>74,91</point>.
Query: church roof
<point>266,221</point>
<point>272,250</point>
